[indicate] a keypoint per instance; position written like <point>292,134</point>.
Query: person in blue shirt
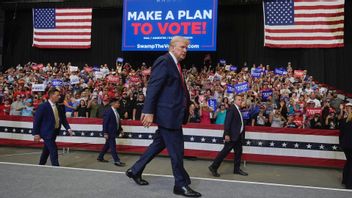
<point>220,114</point>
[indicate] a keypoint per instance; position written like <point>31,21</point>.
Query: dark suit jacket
<point>166,97</point>
<point>232,125</point>
<point>345,136</point>
<point>110,125</point>
<point>44,121</point>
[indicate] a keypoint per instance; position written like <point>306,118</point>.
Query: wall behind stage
<point>240,39</point>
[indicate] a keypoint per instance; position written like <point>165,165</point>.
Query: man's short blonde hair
<point>176,39</point>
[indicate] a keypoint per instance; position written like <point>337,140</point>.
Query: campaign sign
<point>56,83</point>
<point>74,79</point>
<point>98,75</point>
<point>245,115</point>
<point>256,73</point>
<point>241,88</point>
<point>280,71</point>
<point>266,94</point>
<point>149,25</point>
<point>313,111</point>
<point>113,79</point>
<point>212,103</point>
<point>233,68</point>
<point>298,73</point>
<point>230,88</point>
<point>38,87</point>
<point>119,60</point>
<point>222,61</point>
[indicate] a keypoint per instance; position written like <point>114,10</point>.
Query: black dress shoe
<point>186,191</point>
<point>241,172</point>
<point>102,160</point>
<point>119,164</point>
<point>213,171</point>
<point>136,178</point>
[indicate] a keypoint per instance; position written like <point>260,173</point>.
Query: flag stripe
<point>308,15</point>
<point>50,46</point>
<point>62,33</point>
<point>307,38</point>
<point>304,30</point>
<point>319,7</point>
<point>314,23</point>
<point>71,28</point>
<point>73,20</point>
<point>75,14</point>
<point>61,40</point>
<point>62,36</point>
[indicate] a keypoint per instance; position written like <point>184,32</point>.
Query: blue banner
<point>245,115</point>
<point>233,68</point>
<point>119,60</point>
<point>280,71</point>
<point>149,25</point>
<point>266,94</point>
<point>212,103</point>
<point>230,89</point>
<point>222,61</point>
<point>241,88</point>
<point>56,83</point>
<point>256,74</point>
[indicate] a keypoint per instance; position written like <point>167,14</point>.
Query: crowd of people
<point>280,97</point>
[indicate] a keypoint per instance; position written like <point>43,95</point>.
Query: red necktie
<point>180,70</point>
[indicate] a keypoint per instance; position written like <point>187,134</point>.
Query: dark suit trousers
<point>347,170</point>
<point>109,143</point>
<point>173,141</point>
<point>228,146</point>
<point>49,148</point>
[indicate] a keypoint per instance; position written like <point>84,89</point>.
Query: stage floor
<point>27,180</point>
<point>80,175</point>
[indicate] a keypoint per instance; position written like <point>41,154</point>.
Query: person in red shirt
<point>5,108</point>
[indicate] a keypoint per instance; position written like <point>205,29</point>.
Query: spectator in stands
<point>69,106</point>
<point>313,98</point>
<point>126,106</point>
<point>331,121</point>
<point>261,120</point>
<point>28,110</point>
<point>276,119</point>
<point>93,107</point>
<point>194,116</point>
<point>290,123</point>
<point>82,110</point>
<point>102,107</point>
<point>335,102</point>
<point>220,114</point>
<point>5,107</point>
<point>138,107</point>
<point>315,122</point>
<point>17,106</point>
<point>205,112</point>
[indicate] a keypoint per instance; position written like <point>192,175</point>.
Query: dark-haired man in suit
<point>167,102</point>
<point>47,124</point>
<point>233,137</point>
<point>111,129</point>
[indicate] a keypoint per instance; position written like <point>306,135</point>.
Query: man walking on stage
<point>234,136</point>
<point>166,104</point>
<point>47,124</point>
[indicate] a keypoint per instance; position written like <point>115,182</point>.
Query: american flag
<point>303,23</point>
<point>62,27</point>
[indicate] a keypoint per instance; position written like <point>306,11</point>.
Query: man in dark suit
<point>111,129</point>
<point>345,139</point>
<point>166,104</point>
<point>47,124</point>
<point>233,137</point>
